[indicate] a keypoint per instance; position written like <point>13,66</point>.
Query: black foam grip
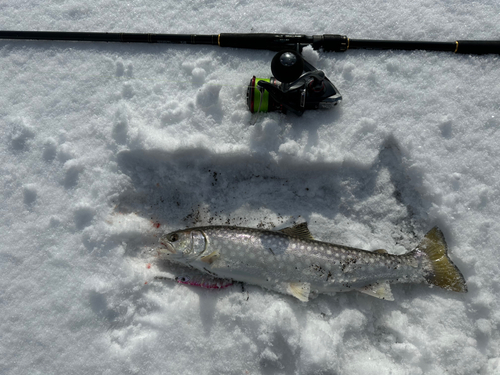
<point>331,42</point>
<point>478,47</point>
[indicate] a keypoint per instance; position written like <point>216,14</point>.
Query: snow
<point>105,146</point>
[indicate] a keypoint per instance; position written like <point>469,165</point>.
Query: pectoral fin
<point>210,258</point>
<point>300,290</point>
<point>380,290</point>
<point>380,251</point>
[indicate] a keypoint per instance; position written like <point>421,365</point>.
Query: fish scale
<point>290,261</point>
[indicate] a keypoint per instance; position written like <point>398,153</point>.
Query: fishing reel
<point>295,87</point>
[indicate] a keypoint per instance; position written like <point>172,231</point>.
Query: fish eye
<point>173,237</point>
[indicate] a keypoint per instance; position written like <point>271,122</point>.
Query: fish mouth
<point>169,248</point>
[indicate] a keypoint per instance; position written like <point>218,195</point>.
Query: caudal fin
<point>444,273</point>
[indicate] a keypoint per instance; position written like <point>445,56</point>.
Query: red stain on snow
<point>148,266</point>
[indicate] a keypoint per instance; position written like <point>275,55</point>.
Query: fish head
<point>183,246</point>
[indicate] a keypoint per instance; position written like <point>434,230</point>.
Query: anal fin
<point>380,290</point>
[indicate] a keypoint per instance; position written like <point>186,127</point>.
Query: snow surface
<point>105,146</point>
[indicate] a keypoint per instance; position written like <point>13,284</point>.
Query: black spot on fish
<point>329,275</point>
<point>318,269</point>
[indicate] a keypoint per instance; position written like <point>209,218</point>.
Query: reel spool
<point>295,87</point>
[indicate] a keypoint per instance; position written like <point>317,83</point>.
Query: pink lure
<point>204,282</point>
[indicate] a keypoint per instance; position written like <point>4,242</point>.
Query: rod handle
<point>478,47</point>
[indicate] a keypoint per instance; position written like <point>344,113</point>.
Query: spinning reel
<point>295,87</point>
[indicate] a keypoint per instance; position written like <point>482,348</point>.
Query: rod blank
<point>111,37</point>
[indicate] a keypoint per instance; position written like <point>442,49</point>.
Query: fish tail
<point>443,272</point>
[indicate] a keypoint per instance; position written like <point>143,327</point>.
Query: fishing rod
<point>296,85</point>
<point>267,41</point>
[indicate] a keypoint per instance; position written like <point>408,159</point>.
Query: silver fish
<point>290,261</point>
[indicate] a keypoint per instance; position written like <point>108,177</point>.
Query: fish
<point>290,261</point>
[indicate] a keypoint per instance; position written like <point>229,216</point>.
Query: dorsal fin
<point>380,251</point>
<point>299,230</point>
